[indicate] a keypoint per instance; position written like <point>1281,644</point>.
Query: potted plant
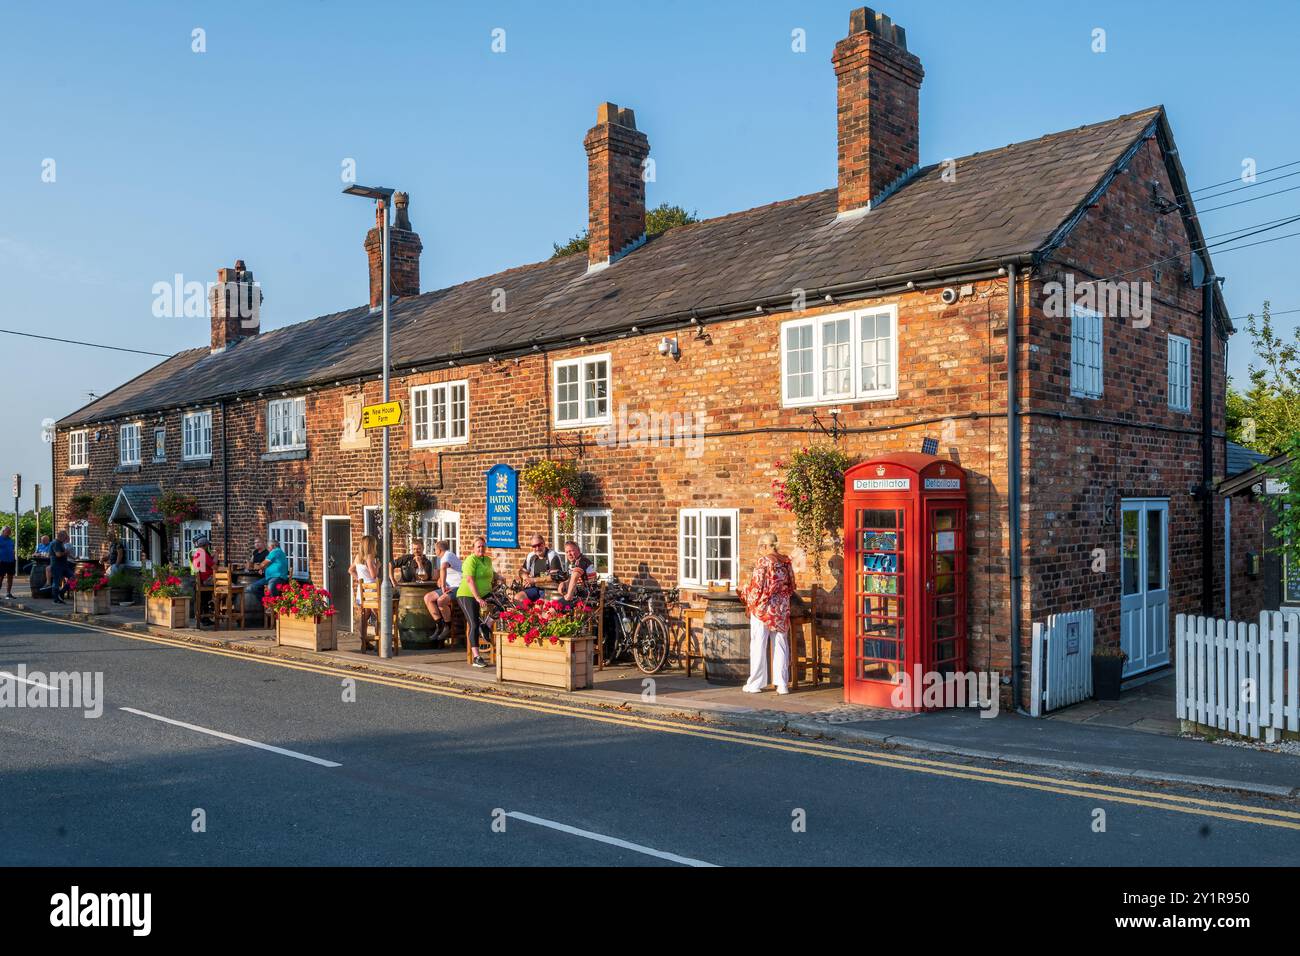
<point>90,591</point>
<point>541,642</point>
<point>122,586</point>
<point>304,617</point>
<point>1107,670</point>
<point>166,601</point>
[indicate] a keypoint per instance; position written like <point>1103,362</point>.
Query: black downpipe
<point>225,487</point>
<point>1207,443</point>
<point>1013,481</point>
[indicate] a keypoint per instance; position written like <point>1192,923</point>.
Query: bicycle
<point>637,628</point>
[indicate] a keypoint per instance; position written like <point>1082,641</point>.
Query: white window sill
<point>445,443</point>
<point>850,400</point>
<point>593,423</point>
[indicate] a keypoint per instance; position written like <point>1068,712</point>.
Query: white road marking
<point>232,737</point>
<point>24,680</point>
<point>612,841</point>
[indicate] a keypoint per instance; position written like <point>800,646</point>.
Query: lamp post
<point>383,202</point>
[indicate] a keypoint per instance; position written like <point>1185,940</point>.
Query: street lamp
<point>383,203</point>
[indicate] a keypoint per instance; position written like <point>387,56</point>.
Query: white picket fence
<point>1061,662</point>
<point>1239,677</point>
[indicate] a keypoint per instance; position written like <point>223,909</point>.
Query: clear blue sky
<point>170,161</point>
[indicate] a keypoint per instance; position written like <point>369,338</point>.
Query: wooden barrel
<point>414,622</point>
<point>725,639</point>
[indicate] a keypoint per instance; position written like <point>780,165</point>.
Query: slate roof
<point>1004,203</point>
<point>1240,458</point>
<point>142,500</point>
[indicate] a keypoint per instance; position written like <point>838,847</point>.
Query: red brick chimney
<point>235,306</point>
<point>404,248</point>
<point>616,150</point>
<point>879,115</point>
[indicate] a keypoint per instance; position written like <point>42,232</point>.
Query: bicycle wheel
<point>650,644</point>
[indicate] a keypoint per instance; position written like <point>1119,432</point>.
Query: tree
<point>27,534</point>
<point>1272,402</point>
<point>658,220</point>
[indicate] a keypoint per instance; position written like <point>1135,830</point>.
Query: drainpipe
<point>225,488</point>
<point>1013,481</point>
<point>1207,443</point>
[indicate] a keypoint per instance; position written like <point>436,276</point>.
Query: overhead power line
<point>92,345</point>
<point>1237,179</point>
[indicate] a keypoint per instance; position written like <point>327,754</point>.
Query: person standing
<point>438,601</point>
<point>365,570</point>
<point>61,560</point>
<point>8,561</point>
<point>475,587</point>
<point>767,599</point>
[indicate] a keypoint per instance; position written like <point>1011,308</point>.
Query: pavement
<point>205,756</point>
<point>1134,738</point>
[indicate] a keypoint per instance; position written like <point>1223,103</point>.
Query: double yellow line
<point>1241,813</point>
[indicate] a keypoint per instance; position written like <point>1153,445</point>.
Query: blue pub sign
<point>502,507</point>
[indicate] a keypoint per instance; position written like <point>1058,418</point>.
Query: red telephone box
<point>904,574</point>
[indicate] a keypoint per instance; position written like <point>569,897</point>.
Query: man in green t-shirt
<point>476,575</point>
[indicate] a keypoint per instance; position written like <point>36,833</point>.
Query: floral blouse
<point>767,596</point>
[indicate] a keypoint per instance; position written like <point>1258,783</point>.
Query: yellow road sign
<point>381,416</point>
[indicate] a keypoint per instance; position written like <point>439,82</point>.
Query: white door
<point>1144,584</point>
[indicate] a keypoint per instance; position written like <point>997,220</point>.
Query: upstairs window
<point>1180,373</point>
<point>1085,353</point>
<point>78,451</point>
<point>286,424</point>
<point>128,444</point>
<point>196,435</point>
<point>582,391</point>
<point>844,357</point>
<point>440,414</point>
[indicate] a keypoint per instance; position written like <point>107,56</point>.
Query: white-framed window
<point>293,541</point>
<point>196,435</point>
<point>128,444</point>
<point>440,414</point>
<point>286,424</point>
<point>582,391</point>
<point>160,444</point>
<point>131,544</point>
<point>190,530</point>
<point>592,529</point>
<point>78,450</point>
<point>842,357</point>
<point>1180,373</point>
<point>440,525</point>
<point>708,546</point>
<point>79,538</point>
<point>1085,353</point>
<point>372,521</point>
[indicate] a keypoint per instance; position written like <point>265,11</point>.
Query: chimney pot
<point>616,151</point>
<point>879,85</point>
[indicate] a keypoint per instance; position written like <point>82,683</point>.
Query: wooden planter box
<point>167,612</point>
<point>90,602</point>
<point>567,664</point>
<point>313,634</point>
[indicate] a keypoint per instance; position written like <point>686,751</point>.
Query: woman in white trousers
<point>767,599</point>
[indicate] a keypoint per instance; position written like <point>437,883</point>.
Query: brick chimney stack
<point>404,248</point>
<point>235,307</point>
<point>616,150</point>
<point>879,112</point>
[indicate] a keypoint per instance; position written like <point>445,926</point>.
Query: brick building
<point>876,310</point>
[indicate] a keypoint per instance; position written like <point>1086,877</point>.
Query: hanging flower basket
<point>178,507</point>
<point>813,491</point>
<point>558,485</point>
